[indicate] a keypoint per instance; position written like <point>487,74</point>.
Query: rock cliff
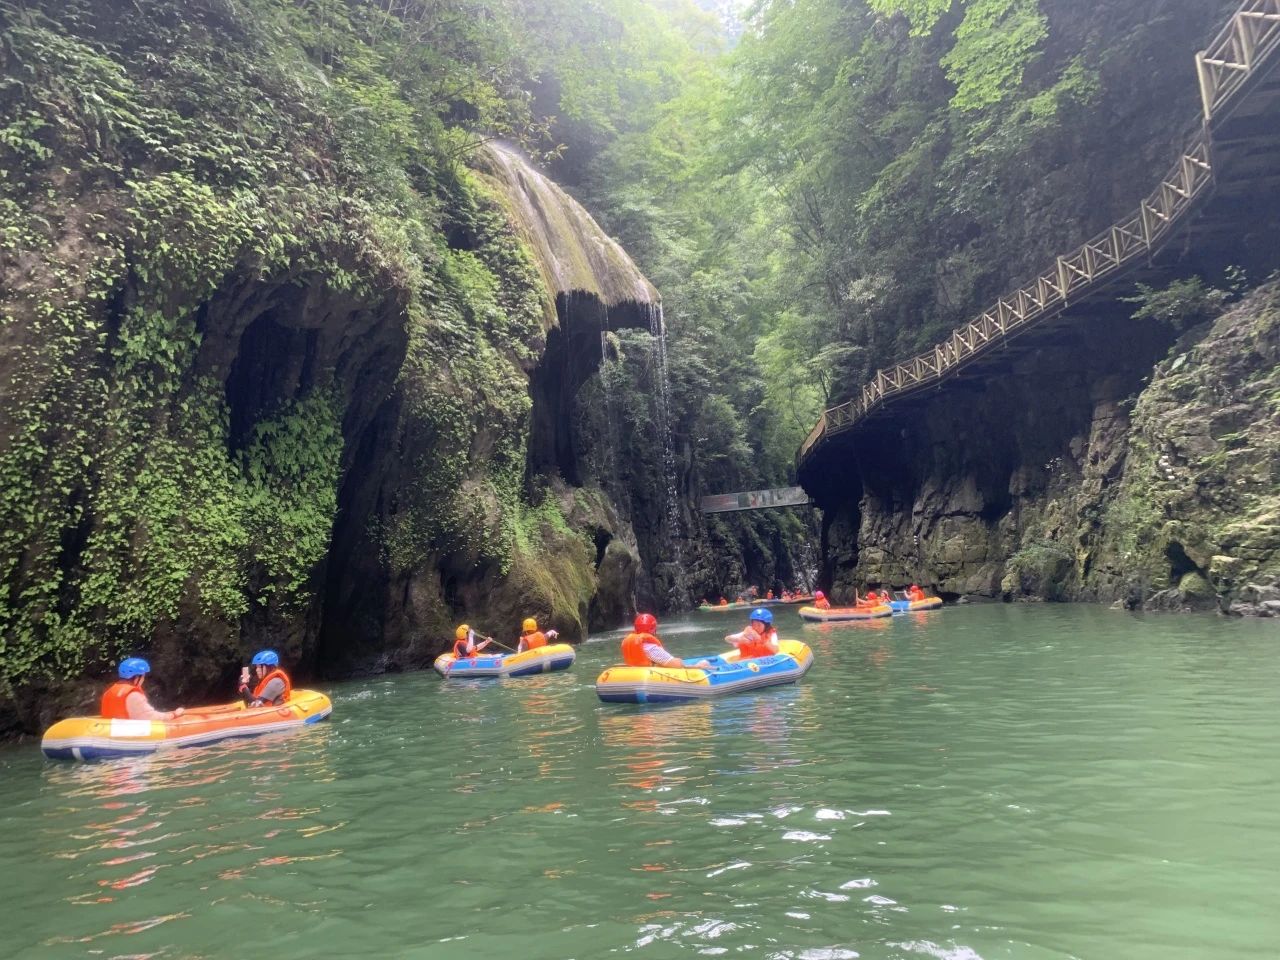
<point>1152,481</point>
<point>269,376</point>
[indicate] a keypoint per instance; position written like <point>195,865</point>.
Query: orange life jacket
<point>114,705</point>
<point>460,649</point>
<point>532,641</point>
<point>276,674</point>
<point>916,593</point>
<point>755,644</point>
<point>633,654</point>
<point>823,604</point>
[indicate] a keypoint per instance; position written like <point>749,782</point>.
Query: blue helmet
<point>761,614</point>
<point>134,667</point>
<point>265,658</point>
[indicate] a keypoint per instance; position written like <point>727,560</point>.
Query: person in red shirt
<point>124,699</point>
<point>820,601</point>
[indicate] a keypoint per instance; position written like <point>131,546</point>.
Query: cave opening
<point>274,365</point>
<point>572,356</point>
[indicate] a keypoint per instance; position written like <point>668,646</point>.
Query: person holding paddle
<point>464,643</point>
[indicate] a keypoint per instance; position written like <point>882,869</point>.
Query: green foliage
<point>155,155</point>
<point>1183,303</point>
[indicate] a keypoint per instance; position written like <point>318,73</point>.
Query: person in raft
<point>820,600</point>
<point>872,599</point>
<point>914,593</point>
<point>124,699</point>
<point>642,648</point>
<point>271,685</point>
<point>759,639</point>
<point>464,643</point>
<point>533,638</point>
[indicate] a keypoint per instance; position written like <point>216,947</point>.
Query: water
<point>980,782</point>
<point>675,534</point>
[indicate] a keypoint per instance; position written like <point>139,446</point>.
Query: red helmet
<point>819,595</point>
<point>646,623</point>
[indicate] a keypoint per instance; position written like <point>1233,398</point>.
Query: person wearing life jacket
<point>820,600</point>
<point>769,595</point>
<point>759,639</point>
<point>914,593</point>
<point>464,643</point>
<point>723,602</point>
<point>870,600</point>
<point>532,638</point>
<point>124,699</point>
<point>642,648</point>
<point>269,685</point>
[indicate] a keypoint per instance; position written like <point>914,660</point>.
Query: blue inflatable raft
<point>724,675</point>
<point>554,656</point>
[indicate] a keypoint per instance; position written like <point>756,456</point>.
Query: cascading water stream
<point>609,481</point>
<point>675,532</point>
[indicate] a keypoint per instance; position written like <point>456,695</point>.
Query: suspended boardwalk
<point>1236,155</point>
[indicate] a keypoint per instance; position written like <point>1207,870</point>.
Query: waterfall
<point>609,480</point>
<point>675,531</point>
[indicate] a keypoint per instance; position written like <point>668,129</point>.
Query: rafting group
<point>870,605</point>
<point>649,673</point>
<point>267,702</point>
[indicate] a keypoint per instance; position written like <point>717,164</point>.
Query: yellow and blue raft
<point>554,656</point>
<point>725,674</point>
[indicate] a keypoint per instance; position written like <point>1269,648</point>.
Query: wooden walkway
<point>1233,66</point>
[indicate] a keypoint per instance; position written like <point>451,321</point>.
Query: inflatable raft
<point>554,656</point>
<point>751,605</point>
<point>726,674</point>
<point>840,614</point>
<point>95,738</point>
<point>907,606</point>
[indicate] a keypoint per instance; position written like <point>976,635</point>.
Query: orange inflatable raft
<point>836,614</point>
<point>95,738</point>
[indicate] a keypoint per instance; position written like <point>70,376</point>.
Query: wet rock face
<point>1200,483</point>
<point>574,255</point>
<point>1042,484</point>
<point>991,490</point>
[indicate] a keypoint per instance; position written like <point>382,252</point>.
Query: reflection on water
<point>973,783</point>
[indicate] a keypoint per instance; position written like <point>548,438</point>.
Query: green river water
<point>979,782</point>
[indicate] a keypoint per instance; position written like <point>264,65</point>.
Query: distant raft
<point>96,738</point>
<point>839,614</point>
<point>554,656</point>
<point>726,674</point>
<point>910,606</point>
<point>740,605</point>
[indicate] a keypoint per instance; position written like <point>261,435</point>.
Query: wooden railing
<point>1236,53</point>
